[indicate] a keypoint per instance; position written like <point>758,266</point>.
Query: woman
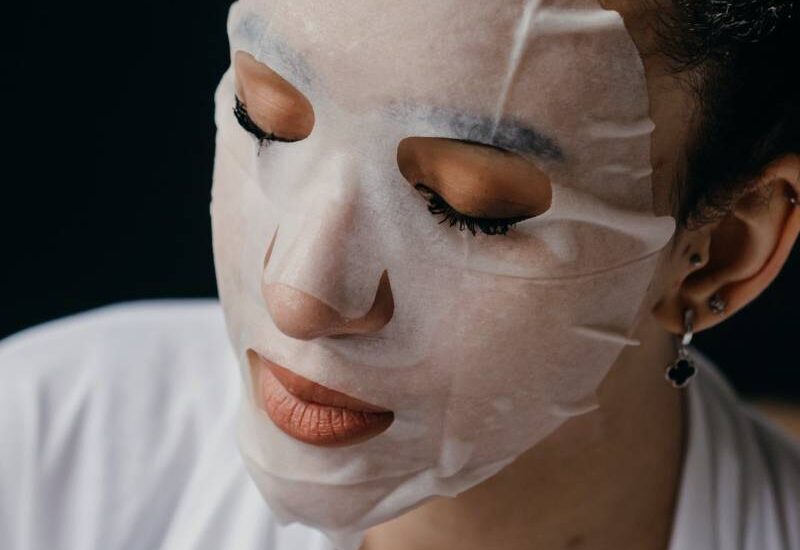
<point>455,244</point>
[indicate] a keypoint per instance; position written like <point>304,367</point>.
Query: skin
<point>582,487</point>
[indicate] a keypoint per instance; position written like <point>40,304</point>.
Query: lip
<point>311,412</point>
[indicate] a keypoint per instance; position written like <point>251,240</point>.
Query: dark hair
<point>742,58</point>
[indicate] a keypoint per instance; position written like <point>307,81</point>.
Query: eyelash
<point>438,206</point>
<point>244,120</point>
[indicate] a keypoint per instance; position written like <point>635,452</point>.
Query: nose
<point>302,316</point>
<point>320,277</point>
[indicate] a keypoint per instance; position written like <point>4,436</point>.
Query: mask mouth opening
<point>310,412</point>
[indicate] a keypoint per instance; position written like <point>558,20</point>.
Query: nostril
<point>300,315</point>
<point>382,309</point>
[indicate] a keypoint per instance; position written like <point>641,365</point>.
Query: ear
<point>739,255</point>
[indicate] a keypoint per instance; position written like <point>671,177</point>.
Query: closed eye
<point>247,123</point>
<point>473,187</point>
<point>488,226</point>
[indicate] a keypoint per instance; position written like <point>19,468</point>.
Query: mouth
<point>311,412</point>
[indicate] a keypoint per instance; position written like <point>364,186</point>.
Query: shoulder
<point>736,422</point>
<point>118,428</point>
<point>92,362</point>
<point>112,370</point>
<point>140,344</point>
<point>121,369</point>
<point>135,327</point>
<point>741,486</point>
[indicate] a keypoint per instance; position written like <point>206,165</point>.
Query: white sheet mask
<point>495,340</point>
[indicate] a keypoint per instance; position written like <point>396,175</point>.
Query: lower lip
<point>314,423</point>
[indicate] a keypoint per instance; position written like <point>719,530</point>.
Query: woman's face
<point>455,223</point>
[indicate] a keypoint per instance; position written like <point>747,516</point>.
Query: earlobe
<point>740,255</point>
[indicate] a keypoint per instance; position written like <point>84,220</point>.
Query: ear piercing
<point>717,303</point>
<point>696,260</point>
<point>681,371</point>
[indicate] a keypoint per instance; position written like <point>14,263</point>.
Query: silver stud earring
<point>681,371</point>
<point>792,198</point>
<point>696,260</point>
<point>717,304</point>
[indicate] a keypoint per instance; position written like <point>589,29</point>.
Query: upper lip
<point>312,392</point>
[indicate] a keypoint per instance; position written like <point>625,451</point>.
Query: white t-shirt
<point>117,432</point>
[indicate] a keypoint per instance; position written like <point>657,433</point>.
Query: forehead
<point>469,51</point>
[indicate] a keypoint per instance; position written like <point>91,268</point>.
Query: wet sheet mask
<point>494,340</point>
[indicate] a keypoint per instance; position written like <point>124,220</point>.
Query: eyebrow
<point>508,134</point>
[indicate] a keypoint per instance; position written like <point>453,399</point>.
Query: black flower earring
<point>681,371</point>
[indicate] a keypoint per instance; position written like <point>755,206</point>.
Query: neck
<point>607,479</point>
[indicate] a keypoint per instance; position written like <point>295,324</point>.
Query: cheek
<point>226,217</point>
<point>512,334</point>
<point>228,226</point>
<point>232,164</point>
<point>511,362</point>
<point>539,347</point>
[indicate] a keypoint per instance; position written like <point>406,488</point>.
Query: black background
<point>109,134</point>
